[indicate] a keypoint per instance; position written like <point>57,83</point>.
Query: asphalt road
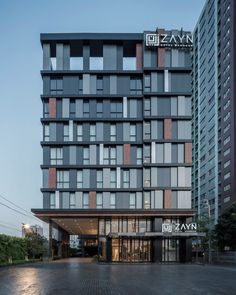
<point>77,276</point>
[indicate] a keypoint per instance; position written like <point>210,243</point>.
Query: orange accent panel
<point>126,154</point>
<point>52,177</point>
<point>139,56</point>
<point>52,107</point>
<point>92,200</point>
<point>161,57</point>
<point>167,198</point>
<point>167,129</point>
<point>188,153</point>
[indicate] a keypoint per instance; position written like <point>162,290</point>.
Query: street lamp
<point>205,203</point>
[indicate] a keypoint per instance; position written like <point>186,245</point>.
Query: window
<point>126,181</point>
<point>62,179</point>
<point>46,132</point>
<point>147,130</point>
<point>112,201</point>
<point>147,154</point>
<point>66,132</point>
<point>80,179</point>
<point>99,201</point>
<point>86,155</point>
<point>86,109</point>
<point>113,132</point>
<point>79,132</point>
<point>72,108</point>
<point>112,155</point>
<point>147,107</point>
<point>96,63</point>
<point>116,110</point>
<point>99,109</point>
<point>139,159</point>
<point>226,117</point>
<point>106,155</point>
<point>99,85</point>
<point>132,132</point>
<point>227,175</point>
<point>85,201</point>
<point>227,187</point>
<point>113,178</point>
<point>147,83</point>
<point>92,132</point>
<point>226,164</point>
<point>52,201</point>
<point>76,63</point>
<point>46,109</point>
<point>227,152</point>
<point>227,128</point>
<point>135,86</point>
<point>99,179</point>
<point>56,157</point>
<point>227,140</point>
<point>147,177</point>
<point>56,86</point>
<point>80,90</point>
<point>132,201</point>
<point>72,200</point>
<point>147,200</point>
<point>129,63</point>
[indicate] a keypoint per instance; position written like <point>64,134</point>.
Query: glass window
<point>92,132</point>
<point>99,85</point>
<point>76,63</point>
<point>113,178</point>
<point>86,109</point>
<point>52,201</point>
<point>96,63</point>
<point>135,86</point>
<point>147,130</point>
<point>112,201</point>
<point>99,109</point>
<point>85,201</point>
<point>66,132</point>
<point>72,200</point>
<point>80,90</point>
<point>56,157</point>
<point>80,179</point>
<point>99,201</point>
<point>56,86</point>
<point>106,155</point>
<point>62,179</point>
<point>99,179</point>
<point>113,156</point>
<point>72,108</point>
<point>129,63</point>
<point>147,153</point>
<point>113,132</point>
<point>79,132</point>
<point>147,107</point>
<point>126,180</point>
<point>116,109</point>
<point>147,177</point>
<point>132,132</point>
<point>86,155</point>
<point>46,109</point>
<point>139,156</point>
<point>147,83</point>
<point>46,132</point>
<point>132,201</point>
<point>147,200</point>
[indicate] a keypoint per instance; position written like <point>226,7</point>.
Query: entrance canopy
<point>77,226</point>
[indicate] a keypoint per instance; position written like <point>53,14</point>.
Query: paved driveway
<point>79,276</point>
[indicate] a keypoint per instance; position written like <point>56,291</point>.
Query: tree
<point>225,230</point>
<point>35,245</point>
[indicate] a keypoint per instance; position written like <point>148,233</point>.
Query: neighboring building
<point>213,107</point>
<point>117,149</point>
<point>36,229</point>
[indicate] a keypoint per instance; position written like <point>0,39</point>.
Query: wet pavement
<point>79,276</point>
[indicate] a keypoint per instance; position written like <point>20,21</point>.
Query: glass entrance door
<point>170,250</point>
<point>130,249</point>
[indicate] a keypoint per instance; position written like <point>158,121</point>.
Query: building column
<point>50,249</point>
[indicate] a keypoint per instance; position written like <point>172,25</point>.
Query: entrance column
<point>50,249</point>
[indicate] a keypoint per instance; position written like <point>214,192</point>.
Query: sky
<point>21,23</point>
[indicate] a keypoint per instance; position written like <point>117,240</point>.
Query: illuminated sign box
<point>165,40</point>
<point>179,227</point>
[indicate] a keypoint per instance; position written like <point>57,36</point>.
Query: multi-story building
<point>117,148</point>
<point>213,107</point>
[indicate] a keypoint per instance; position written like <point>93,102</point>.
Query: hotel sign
<point>166,40</point>
<point>179,227</point>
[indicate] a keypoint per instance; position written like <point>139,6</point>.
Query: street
<point>79,276</point>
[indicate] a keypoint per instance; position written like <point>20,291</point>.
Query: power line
<point>17,206</point>
<point>17,211</point>
<point>9,227</point>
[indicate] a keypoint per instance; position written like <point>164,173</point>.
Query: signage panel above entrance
<point>168,40</point>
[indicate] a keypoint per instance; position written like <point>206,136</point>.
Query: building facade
<point>213,108</point>
<point>117,148</point>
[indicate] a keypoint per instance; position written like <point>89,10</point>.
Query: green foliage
<point>225,230</point>
<point>36,245</point>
